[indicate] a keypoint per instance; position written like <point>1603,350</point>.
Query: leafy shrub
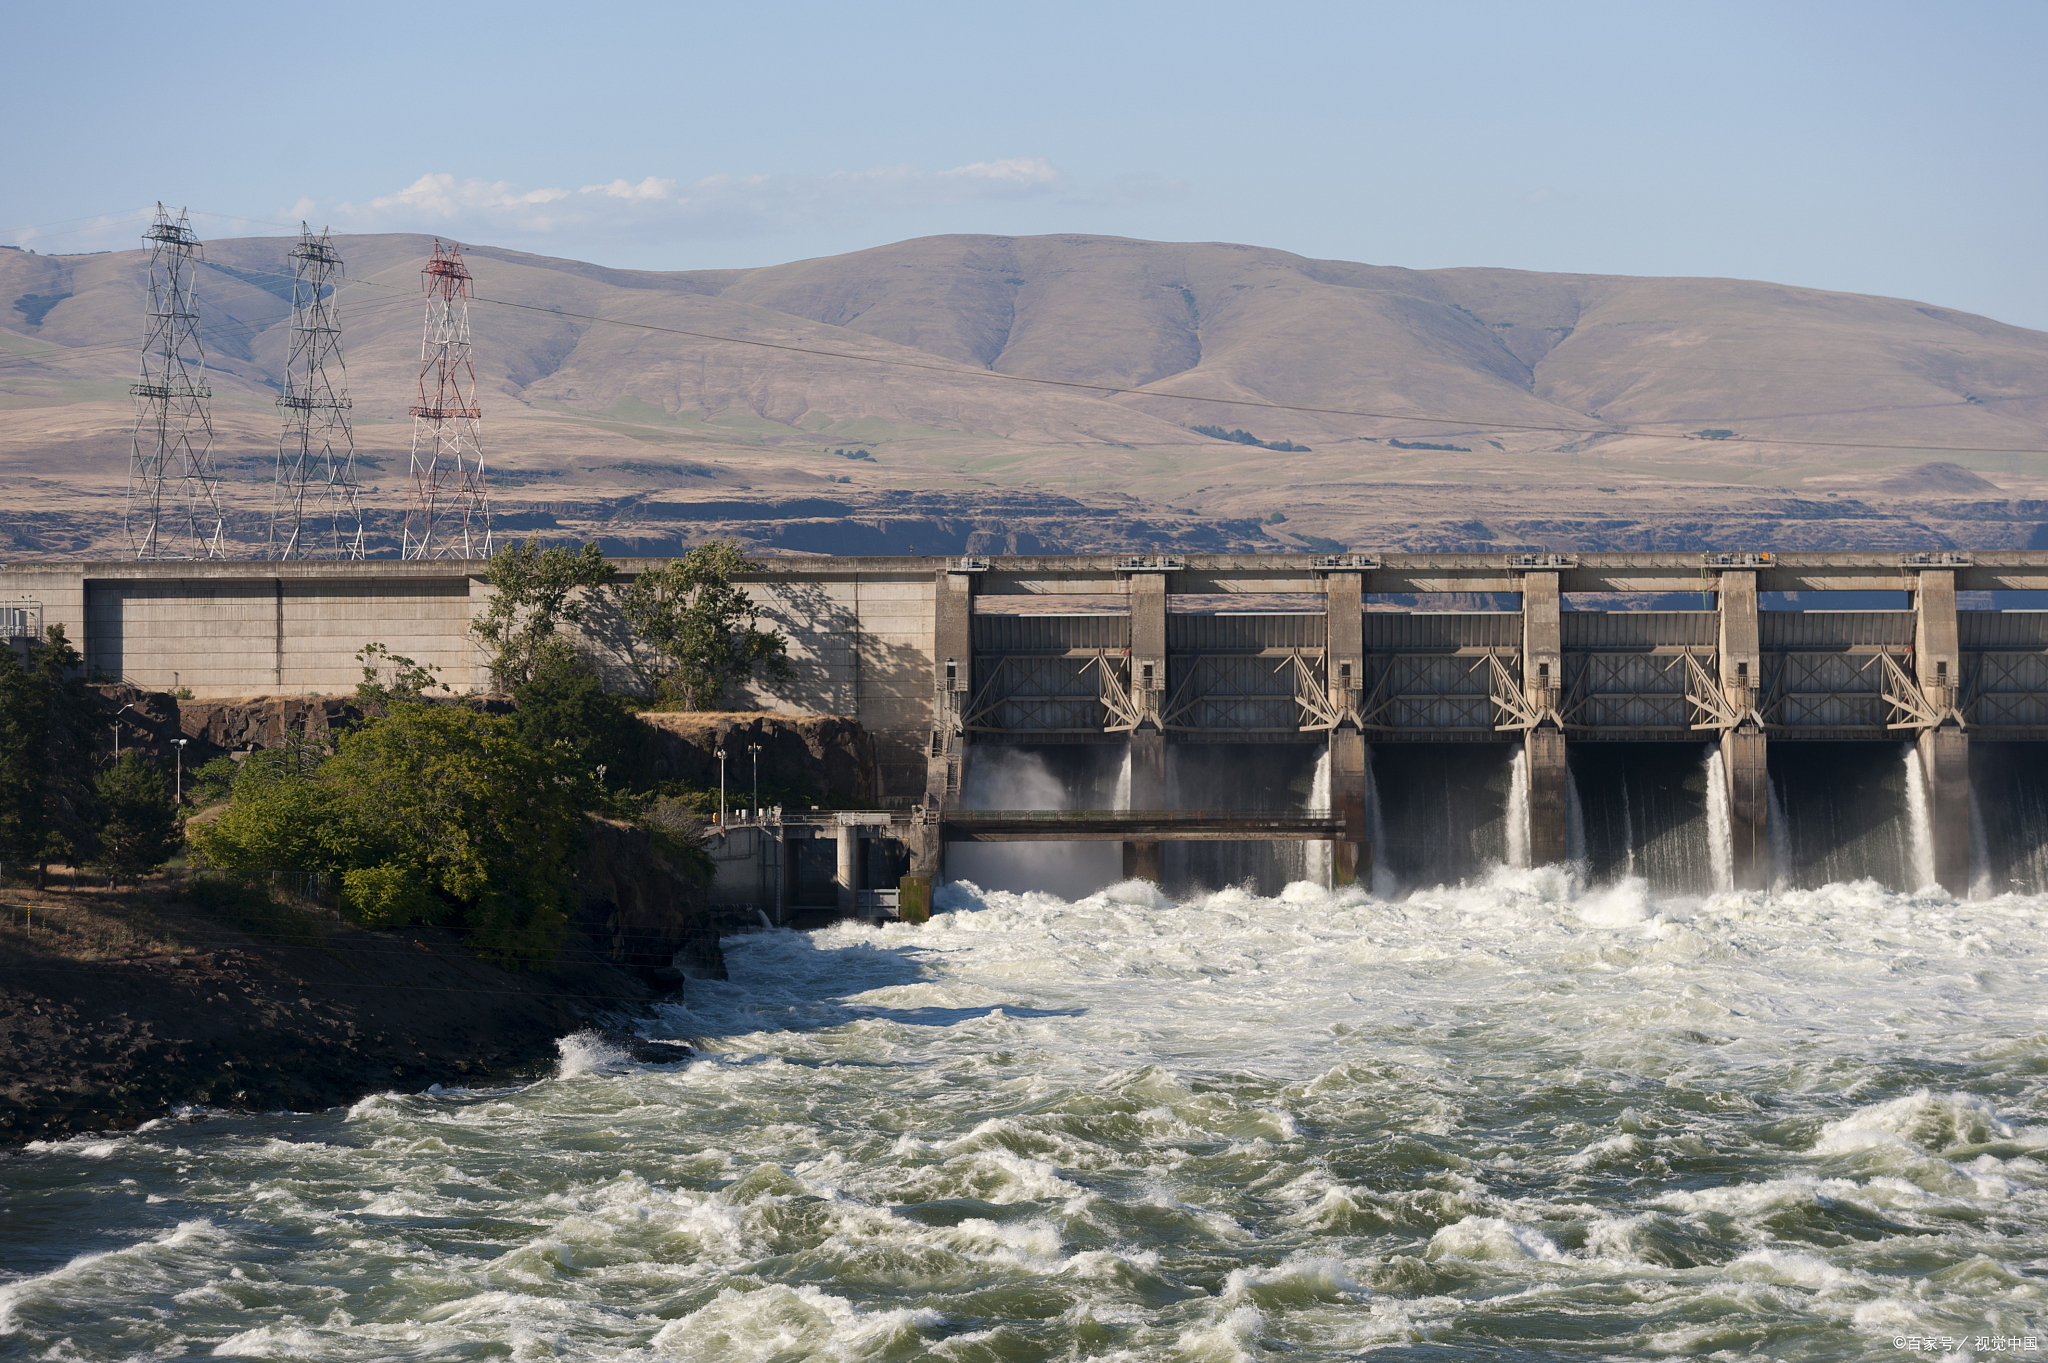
<point>213,781</point>
<point>389,896</point>
<point>484,823</point>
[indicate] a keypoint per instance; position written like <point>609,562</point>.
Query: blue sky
<point>1877,147</point>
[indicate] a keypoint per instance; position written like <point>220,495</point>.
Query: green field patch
<point>55,392</point>
<point>630,408</point>
<point>874,428</point>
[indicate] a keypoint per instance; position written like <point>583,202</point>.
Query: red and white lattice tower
<point>447,514</point>
<point>171,477</point>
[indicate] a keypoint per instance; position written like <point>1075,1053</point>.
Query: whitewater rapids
<point>1509,1120</point>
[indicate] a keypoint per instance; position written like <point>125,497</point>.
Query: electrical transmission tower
<point>446,513</point>
<point>316,456</point>
<point>172,460</point>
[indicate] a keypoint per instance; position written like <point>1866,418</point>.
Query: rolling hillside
<point>1472,406</point>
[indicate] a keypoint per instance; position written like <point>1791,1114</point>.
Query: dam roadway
<point>939,656</point>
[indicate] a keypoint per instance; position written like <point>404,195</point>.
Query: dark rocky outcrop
<point>642,911</point>
<point>152,721</point>
<point>218,726</point>
<point>119,1008</point>
<point>830,754</point>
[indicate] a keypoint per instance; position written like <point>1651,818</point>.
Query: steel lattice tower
<point>172,460</point>
<point>447,514</point>
<point>316,455</point>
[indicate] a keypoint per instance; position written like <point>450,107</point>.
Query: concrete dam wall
<point>1373,669</point>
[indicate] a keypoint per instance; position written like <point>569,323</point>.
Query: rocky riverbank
<point>117,1007</point>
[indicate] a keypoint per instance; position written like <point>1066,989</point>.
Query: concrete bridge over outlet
<point>938,657</point>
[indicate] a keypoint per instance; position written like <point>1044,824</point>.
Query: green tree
<point>470,811</point>
<point>565,708</point>
<point>534,592</point>
<point>694,633</point>
<point>428,813</point>
<point>281,820</point>
<point>138,823</point>
<point>47,809</point>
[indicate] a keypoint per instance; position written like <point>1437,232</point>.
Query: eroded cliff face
<point>831,754</point>
<point>153,720</point>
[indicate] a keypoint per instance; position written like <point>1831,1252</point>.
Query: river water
<point>1512,1120</point>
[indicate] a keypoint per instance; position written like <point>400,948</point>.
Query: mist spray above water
<point>1720,829</point>
<point>1518,808</point>
<point>1919,820</point>
<point>1319,858</point>
<point>1013,778</point>
<point>1384,882</point>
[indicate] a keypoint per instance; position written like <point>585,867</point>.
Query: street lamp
<point>721,787</point>
<point>179,744</point>
<point>755,749</point>
<point>117,728</point>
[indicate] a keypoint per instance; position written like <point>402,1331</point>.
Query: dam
<point>1534,707</point>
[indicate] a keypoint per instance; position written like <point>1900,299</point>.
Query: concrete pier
<point>1744,748</point>
<point>1148,679</point>
<point>1549,796</point>
<point>1945,762</point>
<point>1353,854</point>
<point>1344,678</point>
<point>1749,803</point>
<point>1543,745</point>
<point>846,874</point>
<point>1944,745</point>
<point>1147,860</point>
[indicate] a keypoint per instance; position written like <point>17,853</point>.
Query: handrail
<point>1148,815</point>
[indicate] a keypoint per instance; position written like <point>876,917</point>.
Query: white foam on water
<point>1121,1125</point>
<point>589,1053</point>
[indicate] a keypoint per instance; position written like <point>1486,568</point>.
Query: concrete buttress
<point>846,875</point>
<point>952,688</point>
<point>1745,754</point>
<point>1344,661</point>
<point>1743,758</point>
<point>1542,675</point>
<point>1146,860</point>
<point>1944,748</point>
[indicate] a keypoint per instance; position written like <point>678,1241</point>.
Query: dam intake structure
<point>1700,721</point>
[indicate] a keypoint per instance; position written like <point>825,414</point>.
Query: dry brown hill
<point>1488,386</point>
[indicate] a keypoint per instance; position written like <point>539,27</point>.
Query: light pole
<point>721,787</point>
<point>179,744</point>
<point>755,749</point>
<point>117,728</point>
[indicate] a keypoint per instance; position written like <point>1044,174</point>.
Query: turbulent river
<point>1512,1120</point>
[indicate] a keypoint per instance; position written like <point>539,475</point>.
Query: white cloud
<point>649,188</point>
<point>717,206</point>
<point>444,196</point>
<point>1034,171</point>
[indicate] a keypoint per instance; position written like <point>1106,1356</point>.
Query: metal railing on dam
<point>936,656</point>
